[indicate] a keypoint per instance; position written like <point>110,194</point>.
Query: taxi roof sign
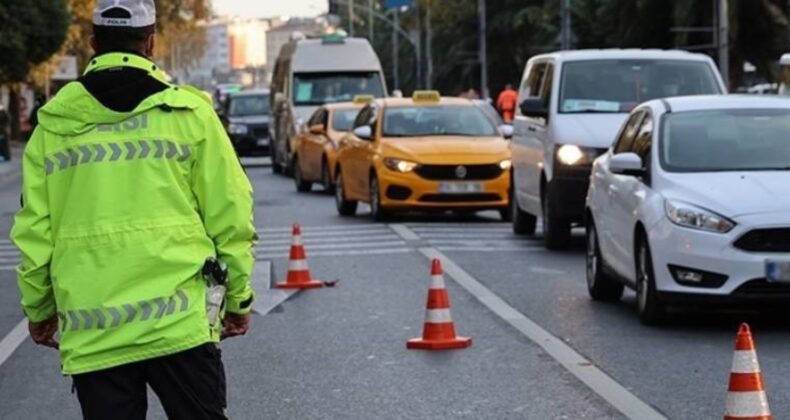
<point>363,99</point>
<point>426,96</point>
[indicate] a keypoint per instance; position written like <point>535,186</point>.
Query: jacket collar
<point>123,59</point>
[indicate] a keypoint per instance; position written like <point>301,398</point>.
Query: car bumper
<point>730,275</point>
<point>249,145</point>
<point>568,191</point>
<point>410,191</point>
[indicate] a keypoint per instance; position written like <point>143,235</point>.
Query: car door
<point>627,197</point>
<point>314,145</point>
<point>605,184</point>
<point>356,167</point>
<point>526,146</point>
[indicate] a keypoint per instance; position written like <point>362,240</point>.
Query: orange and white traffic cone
<point>438,331</point>
<point>298,271</point>
<point>746,397</point>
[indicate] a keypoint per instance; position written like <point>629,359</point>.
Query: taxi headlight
<point>693,217</point>
<point>238,129</point>
<point>570,154</point>
<point>506,164</point>
<point>398,165</point>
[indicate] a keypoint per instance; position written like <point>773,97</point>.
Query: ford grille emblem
<point>461,172</point>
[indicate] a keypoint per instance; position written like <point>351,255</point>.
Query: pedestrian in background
<point>131,186</point>
<point>506,103</point>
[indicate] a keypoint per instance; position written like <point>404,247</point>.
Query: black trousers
<point>190,385</point>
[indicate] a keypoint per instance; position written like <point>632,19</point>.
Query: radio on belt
<point>216,274</point>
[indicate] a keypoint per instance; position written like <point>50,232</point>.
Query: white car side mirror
<point>506,130</point>
<point>627,164</point>
<point>364,132</point>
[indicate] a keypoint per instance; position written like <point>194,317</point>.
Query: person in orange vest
<point>506,103</point>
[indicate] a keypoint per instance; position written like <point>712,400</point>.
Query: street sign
<point>390,4</point>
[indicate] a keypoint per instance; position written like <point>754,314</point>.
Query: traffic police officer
<point>130,185</point>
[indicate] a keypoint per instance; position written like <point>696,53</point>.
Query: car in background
<point>247,116</point>
<point>316,71</point>
<point>691,204</point>
<point>571,105</point>
<point>315,149</point>
<point>423,153</point>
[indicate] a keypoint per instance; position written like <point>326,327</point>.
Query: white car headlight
<point>238,129</point>
<point>399,165</point>
<point>573,155</point>
<point>506,164</point>
<point>693,217</point>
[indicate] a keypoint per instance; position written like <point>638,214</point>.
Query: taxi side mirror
<point>364,132</point>
<point>317,129</point>
<point>506,130</point>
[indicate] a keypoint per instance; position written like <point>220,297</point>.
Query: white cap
<point>125,13</point>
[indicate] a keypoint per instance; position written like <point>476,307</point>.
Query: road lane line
<point>343,228</point>
<point>380,231</point>
<point>308,241</point>
<point>339,246</point>
<point>356,253</point>
<point>404,232</point>
<point>489,249</point>
<point>13,340</point>
<point>583,369</point>
<point>7,267</point>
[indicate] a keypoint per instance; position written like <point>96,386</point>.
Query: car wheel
<point>523,222</point>
<point>326,177</point>
<point>599,285</point>
<point>651,310</point>
<point>376,211</point>
<point>556,230</point>
<point>344,207</point>
<point>301,184</point>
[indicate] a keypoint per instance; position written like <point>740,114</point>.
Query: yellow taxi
<point>423,153</point>
<point>315,148</point>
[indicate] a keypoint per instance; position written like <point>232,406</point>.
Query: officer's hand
<point>235,325</point>
<point>43,333</point>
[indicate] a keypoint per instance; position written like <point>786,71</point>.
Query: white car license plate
<point>460,187</point>
<point>262,142</point>
<point>777,271</point>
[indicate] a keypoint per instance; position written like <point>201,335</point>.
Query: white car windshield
<point>327,88</point>
<point>617,86</point>
<point>726,140</point>
<point>444,120</point>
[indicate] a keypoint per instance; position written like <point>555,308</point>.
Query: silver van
<point>571,106</point>
<point>313,72</point>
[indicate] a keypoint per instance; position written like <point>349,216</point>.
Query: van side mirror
<point>364,132</point>
<point>533,107</point>
<point>627,164</point>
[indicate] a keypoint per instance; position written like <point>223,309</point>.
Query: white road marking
<point>429,231</point>
<point>469,235</point>
<point>5,242</point>
<point>336,246</point>
<point>308,242</point>
<point>13,340</point>
<point>404,232</point>
<point>543,270</point>
<point>583,369</point>
<point>310,234</point>
<point>354,253</point>
<point>9,253</point>
<point>489,248</point>
<point>9,261</point>
<point>7,267</point>
<point>342,228</point>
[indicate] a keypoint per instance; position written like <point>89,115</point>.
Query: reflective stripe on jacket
<point>121,209</point>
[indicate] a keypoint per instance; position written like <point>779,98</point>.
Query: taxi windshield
<point>327,88</point>
<point>441,120</point>
<point>617,86</point>
<point>344,119</point>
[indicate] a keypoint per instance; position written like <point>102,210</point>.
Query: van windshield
<point>617,86</point>
<point>327,88</point>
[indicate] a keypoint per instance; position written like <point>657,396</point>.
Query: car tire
<point>326,177</point>
<point>378,213</point>
<point>523,222</point>
<point>649,306</point>
<point>599,285</point>
<point>301,184</point>
<point>556,230</point>
<point>344,207</point>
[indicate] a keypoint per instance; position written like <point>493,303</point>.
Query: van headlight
<point>573,155</point>
<point>398,165</point>
<point>238,129</point>
<point>693,217</point>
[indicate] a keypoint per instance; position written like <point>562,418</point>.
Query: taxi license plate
<point>460,187</point>
<point>777,271</point>
<point>262,142</point>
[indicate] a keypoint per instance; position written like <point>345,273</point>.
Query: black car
<point>246,117</point>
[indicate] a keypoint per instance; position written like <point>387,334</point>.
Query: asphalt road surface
<point>542,349</point>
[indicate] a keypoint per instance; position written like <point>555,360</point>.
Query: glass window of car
<point>315,118</point>
<point>324,88</point>
<point>628,133</point>
<point>546,87</point>
<point>364,116</point>
<point>442,120</point>
<point>644,139</point>
<point>726,140</point>
<point>617,86</point>
<point>531,85</point>
<point>249,105</point>
<point>343,119</point>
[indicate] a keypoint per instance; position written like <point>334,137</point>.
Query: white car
<point>691,203</point>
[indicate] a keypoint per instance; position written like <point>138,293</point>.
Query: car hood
<point>448,149</point>
<point>733,194</point>
<point>251,119</point>
<point>590,130</point>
